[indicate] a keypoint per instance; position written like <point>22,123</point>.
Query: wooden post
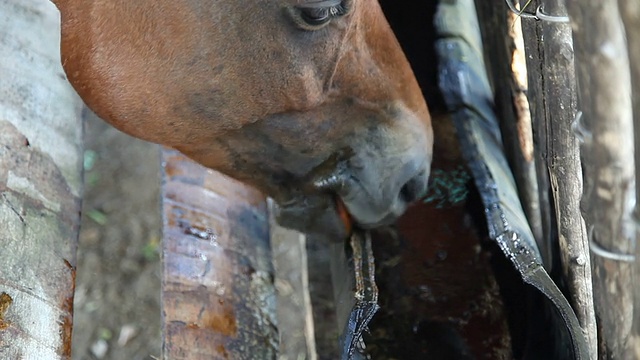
<point>606,126</point>
<point>630,11</point>
<point>40,185</point>
<point>218,297</point>
<point>552,85</point>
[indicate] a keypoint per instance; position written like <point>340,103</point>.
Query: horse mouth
<point>351,221</point>
<point>334,216</point>
<point>344,215</point>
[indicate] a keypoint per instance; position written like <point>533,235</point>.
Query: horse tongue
<point>344,215</point>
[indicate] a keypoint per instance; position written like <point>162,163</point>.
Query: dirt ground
<point>117,303</point>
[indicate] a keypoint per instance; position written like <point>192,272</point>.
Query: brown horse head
<point>307,100</point>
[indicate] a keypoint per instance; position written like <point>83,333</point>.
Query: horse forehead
<point>210,54</point>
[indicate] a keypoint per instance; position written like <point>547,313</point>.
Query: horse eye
<point>314,16</point>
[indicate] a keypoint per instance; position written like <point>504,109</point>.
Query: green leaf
<point>90,158</point>
<point>150,250</point>
<point>105,334</point>
<point>97,216</point>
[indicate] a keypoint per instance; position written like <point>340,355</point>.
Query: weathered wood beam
<point>535,95</point>
<point>606,123</point>
<point>512,107</point>
<point>40,185</point>
<point>553,86</point>
<point>218,296</point>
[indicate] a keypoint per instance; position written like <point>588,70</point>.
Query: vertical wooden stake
<point>606,127</point>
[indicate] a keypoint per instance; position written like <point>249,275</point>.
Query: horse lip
<point>339,185</point>
<point>388,218</point>
<point>344,214</point>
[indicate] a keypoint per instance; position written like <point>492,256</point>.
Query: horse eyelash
<point>322,4</point>
<point>314,15</point>
<point>338,10</point>
<point>334,10</point>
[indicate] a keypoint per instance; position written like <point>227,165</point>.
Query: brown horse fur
<point>304,112</point>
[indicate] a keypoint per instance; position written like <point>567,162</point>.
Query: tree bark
<point>602,68</point>
<point>40,185</point>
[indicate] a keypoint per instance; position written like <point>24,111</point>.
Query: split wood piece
<point>355,291</point>
<point>552,84</point>
<point>40,185</point>
<point>606,128</point>
<point>295,315</point>
<point>218,296</point>
<point>504,54</point>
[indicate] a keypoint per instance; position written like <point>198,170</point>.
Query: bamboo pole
<point>602,68</point>
<point>553,83</point>
<point>40,185</point>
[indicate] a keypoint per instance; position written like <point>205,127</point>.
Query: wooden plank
<point>40,185</point>
<point>295,315</point>
<point>218,295</point>
<point>553,86</point>
<point>604,93</point>
<point>504,55</point>
<point>327,332</point>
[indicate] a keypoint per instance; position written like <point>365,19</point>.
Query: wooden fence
<point>582,76</point>
<point>566,79</point>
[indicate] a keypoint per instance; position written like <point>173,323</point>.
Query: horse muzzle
<point>357,200</point>
<point>375,188</point>
<point>378,173</point>
<point>377,197</point>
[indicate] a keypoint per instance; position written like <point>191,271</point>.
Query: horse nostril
<point>415,188</point>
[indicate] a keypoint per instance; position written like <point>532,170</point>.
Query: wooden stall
<point>524,246</point>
